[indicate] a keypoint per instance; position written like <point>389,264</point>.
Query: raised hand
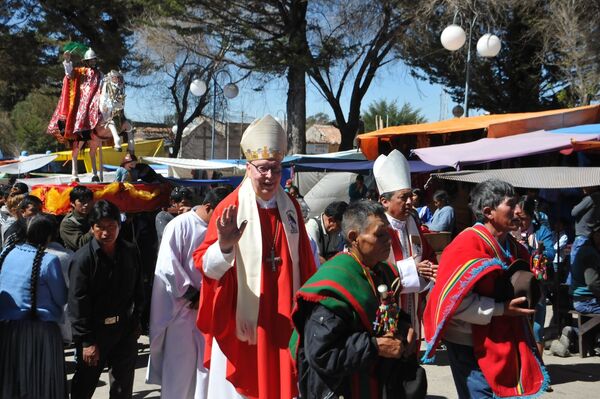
<point>228,231</point>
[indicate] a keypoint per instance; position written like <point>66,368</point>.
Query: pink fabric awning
<point>488,149</point>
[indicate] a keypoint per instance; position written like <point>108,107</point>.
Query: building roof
<point>323,134</point>
<point>499,125</point>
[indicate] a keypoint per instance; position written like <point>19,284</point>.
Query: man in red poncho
<point>254,258</point>
<point>491,349</point>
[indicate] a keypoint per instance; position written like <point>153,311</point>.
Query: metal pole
<point>214,119</point>
<point>466,106</point>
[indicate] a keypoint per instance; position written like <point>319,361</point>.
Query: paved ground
<point>572,377</point>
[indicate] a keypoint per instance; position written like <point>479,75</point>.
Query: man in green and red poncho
<point>339,349</point>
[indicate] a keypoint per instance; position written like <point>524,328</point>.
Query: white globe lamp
<point>488,45</point>
<point>174,129</point>
<point>453,37</point>
<point>230,91</point>
<point>198,87</point>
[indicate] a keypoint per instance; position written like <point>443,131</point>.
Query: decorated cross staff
<point>386,318</point>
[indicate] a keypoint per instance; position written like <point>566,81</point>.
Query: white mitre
<point>392,172</point>
<point>264,139</point>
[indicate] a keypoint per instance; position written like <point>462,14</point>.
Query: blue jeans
<point>468,378</point>
<point>539,319</point>
<point>577,244</point>
<point>591,305</point>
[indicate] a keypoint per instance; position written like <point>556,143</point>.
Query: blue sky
<point>392,82</point>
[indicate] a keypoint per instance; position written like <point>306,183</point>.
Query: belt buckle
<point>111,320</point>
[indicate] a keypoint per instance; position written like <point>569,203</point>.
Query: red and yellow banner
<point>128,197</point>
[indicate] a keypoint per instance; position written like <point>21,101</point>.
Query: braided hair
<point>40,229</point>
<point>9,247</point>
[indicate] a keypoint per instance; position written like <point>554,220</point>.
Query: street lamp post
<point>198,87</point>
<point>453,38</point>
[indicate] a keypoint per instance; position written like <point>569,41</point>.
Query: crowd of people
<point>251,298</point>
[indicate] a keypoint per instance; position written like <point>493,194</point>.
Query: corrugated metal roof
<point>555,177</point>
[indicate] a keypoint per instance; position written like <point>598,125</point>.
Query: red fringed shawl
<point>505,349</point>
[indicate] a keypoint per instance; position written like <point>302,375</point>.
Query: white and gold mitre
<point>392,172</point>
<point>264,139</point>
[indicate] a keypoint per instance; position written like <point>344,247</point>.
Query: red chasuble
<point>264,370</point>
<point>505,348</point>
<point>413,303</point>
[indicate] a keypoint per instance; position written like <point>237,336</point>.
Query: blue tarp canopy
<point>593,128</point>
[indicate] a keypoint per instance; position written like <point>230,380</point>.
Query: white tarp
<point>27,164</point>
<point>331,187</point>
<point>186,163</point>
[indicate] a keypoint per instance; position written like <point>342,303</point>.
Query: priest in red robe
<point>254,258</point>
<point>410,252</point>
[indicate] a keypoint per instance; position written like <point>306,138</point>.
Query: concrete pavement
<point>571,377</point>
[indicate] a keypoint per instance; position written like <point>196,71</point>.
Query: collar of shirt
<point>97,249</point>
<point>268,204</point>
<point>397,224</point>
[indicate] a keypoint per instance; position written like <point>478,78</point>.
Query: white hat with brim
<point>392,172</point>
<point>264,139</point>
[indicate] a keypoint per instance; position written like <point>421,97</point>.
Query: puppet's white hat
<point>264,139</point>
<point>391,172</point>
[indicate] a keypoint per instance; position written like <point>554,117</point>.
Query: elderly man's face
<point>399,204</point>
<point>503,217</point>
<point>373,244</point>
<point>265,175</point>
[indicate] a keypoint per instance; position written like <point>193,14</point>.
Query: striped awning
<point>544,177</point>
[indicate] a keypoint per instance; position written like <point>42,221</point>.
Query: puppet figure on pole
<point>90,108</point>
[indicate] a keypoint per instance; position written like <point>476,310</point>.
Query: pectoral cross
<point>273,260</point>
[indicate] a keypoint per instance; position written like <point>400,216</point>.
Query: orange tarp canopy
<point>500,125</point>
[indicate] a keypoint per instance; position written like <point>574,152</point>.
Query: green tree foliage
<point>7,135</point>
<point>32,33</point>
<point>390,114</point>
<point>30,120</point>
<point>320,118</point>
<point>513,81</point>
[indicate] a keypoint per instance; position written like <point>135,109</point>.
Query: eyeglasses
<point>263,170</point>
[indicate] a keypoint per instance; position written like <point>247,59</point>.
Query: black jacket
<point>331,351</point>
<point>101,287</point>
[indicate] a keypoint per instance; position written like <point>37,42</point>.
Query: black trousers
<point>118,350</point>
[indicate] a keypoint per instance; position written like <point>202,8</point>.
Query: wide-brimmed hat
<point>524,283</point>
<point>128,158</point>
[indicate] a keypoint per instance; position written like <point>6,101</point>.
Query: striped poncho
<point>505,349</point>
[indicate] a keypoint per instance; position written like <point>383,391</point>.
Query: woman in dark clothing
<point>32,296</point>
<point>537,238</point>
